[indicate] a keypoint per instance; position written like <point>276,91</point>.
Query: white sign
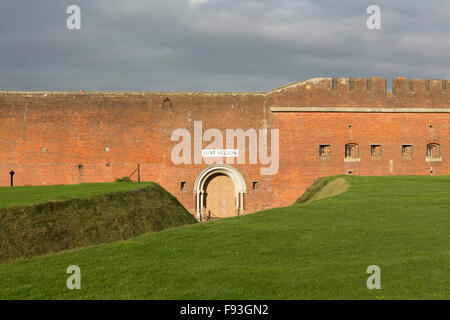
<point>214,153</point>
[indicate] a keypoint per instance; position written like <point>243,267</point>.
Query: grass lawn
<point>22,196</point>
<point>315,250</point>
<point>85,215</point>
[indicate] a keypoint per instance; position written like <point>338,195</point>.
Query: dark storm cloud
<point>216,45</point>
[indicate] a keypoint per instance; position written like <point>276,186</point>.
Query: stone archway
<point>222,182</point>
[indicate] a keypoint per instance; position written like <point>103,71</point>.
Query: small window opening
<point>351,151</point>
<point>407,151</point>
<point>433,151</point>
<point>325,151</point>
<point>167,104</point>
<point>376,151</point>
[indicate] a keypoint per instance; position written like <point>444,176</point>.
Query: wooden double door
<point>220,196</point>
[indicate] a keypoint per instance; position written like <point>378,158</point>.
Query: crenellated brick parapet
<point>315,92</point>
<point>361,92</point>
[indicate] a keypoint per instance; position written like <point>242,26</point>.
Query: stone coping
<point>361,110</point>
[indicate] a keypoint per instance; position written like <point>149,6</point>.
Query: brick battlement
<point>361,92</point>
<point>326,92</point>
<point>372,85</point>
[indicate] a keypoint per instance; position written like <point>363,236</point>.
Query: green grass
<point>314,250</point>
<point>315,189</point>
<point>90,214</point>
<point>22,196</point>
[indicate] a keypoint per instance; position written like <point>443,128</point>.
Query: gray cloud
<point>216,45</point>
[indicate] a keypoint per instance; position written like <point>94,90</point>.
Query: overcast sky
<point>217,45</point>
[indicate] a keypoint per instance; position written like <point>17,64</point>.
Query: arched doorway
<point>220,201</point>
<point>219,190</point>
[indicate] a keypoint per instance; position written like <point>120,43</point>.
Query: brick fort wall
<point>52,138</point>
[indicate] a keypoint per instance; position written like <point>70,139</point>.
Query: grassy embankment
<point>318,249</point>
<point>42,220</point>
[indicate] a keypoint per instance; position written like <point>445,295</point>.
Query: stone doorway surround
<point>200,184</point>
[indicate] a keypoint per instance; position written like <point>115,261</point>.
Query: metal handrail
<point>138,169</point>
<point>206,215</point>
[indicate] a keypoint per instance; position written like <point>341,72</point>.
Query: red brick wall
<point>44,137</point>
<point>302,133</point>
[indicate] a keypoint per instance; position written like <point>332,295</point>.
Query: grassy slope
<point>21,196</point>
<point>98,215</point>
<point>318,249</point>
<point>324,187</point>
